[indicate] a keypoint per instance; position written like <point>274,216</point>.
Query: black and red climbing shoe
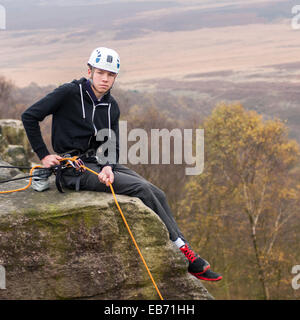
<point>197,265</point>
<point>208,275</point>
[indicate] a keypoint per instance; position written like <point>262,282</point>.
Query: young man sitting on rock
<point>80,109</point>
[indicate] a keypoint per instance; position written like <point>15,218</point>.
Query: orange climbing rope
<point>127,226</point>
<point>78,165</point>
<point>131,235</point>
<point>26,187</point>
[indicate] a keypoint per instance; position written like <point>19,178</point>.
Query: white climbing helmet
<point>106,59</point>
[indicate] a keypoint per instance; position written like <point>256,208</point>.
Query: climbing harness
<point>79,166</point>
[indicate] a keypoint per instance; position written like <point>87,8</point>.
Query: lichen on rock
<point>14,145</point>
<point>76,246</point>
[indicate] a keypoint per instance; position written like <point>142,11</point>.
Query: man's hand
<point>51,160</point>
<point>106,175</point>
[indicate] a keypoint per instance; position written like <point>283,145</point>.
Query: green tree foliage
<point>238,210</point>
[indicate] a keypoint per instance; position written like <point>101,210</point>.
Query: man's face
<point>102,80</point>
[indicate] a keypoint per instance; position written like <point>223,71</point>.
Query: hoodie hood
<point>87,86</point>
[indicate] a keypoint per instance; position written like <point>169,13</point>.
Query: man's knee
<point>149,191</point>
<point>143,187</point>
<point>158,192</point>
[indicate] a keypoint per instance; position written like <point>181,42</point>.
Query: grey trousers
<point>127,182</point>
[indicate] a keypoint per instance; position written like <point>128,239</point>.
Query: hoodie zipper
<point>93,114</point>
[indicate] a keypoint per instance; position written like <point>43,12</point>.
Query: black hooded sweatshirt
<point>77,118</point>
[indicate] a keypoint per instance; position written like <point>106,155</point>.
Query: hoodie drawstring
<point>94,107</point>
<point>82,104</point>
<point>109,125</point>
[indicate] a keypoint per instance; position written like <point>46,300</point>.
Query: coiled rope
<point>24,188</point>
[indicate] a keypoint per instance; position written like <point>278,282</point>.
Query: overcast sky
<point>43,14</point>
